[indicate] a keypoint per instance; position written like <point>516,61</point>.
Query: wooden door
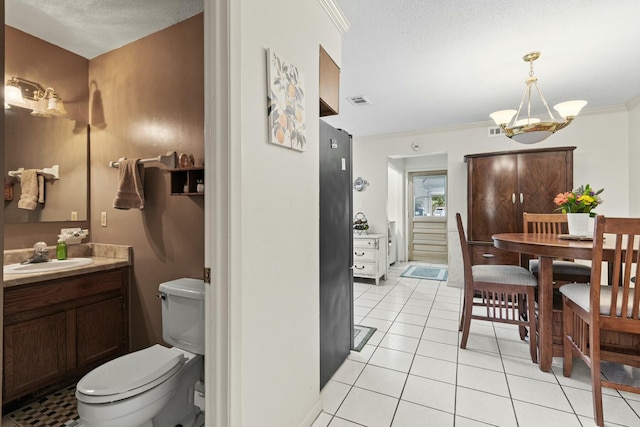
<point>492,187</point>
<point>336,250</point>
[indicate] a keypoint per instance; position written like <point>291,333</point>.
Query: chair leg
<point>466,319</point>
<point>567,348</point>
<point>464,304</point>
<point>596,382</point>
<point>533,342</point>
<point>521,310</point>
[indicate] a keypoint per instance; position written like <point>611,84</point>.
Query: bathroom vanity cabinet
<point>58,330</point>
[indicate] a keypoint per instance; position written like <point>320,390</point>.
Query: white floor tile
<point>466,422</point>
<point>323,420</point>
<point>526,368</point>
<point>411,415</point>
<point>406,329</point>
<point>382,380</point>
<point>481,342</point>
<point>493,381</point>
<point>399,342</point>
<point>616,410</point>
<point>380,324</point>
<point>440,335</point>
<point>485,407</point>
<point>368,408</point>
<point>530,415</point>
<point>483,380</point>
<point>480,359</point>
<point>431,393</point>
<point>437,350</point>
<point>538,392</point>
<point>363,355</point>
<point>446,324</point>
<point>377,313</point>
<point>435,369</point>
<point>412,319</point>
<point>332,395</point>
<point>392,359</point>
<point>339,422</point>
<point>349,371</point>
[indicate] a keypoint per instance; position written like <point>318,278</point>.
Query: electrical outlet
<point>74,215</point>
<point>103,219</point>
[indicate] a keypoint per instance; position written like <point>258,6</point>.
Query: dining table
<point>548,247</point>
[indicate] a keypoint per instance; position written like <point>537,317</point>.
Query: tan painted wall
<point>151,96</point>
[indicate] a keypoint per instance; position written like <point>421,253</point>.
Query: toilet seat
<point>129,375</point>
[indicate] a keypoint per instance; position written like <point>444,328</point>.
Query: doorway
<point>427,216</point>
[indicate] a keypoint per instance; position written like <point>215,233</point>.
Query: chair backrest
<point>624,235</point>
<point>466,257</point>
<point>544,223</point>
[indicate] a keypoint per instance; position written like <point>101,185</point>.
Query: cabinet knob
<point>358,253</point>
<point>488,255</point>
<point>513,198</point>
<point>358,267</point>
<point>521,198</point>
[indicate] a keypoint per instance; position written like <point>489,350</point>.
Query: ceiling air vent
<point>359,100</point>
<point>495,131</point>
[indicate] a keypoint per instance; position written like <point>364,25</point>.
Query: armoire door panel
<point>492,187</point>
<point>541,176</point>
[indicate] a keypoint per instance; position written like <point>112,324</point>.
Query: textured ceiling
<point>431,63</point>
<point>92,27</point>
<point>423,64</point>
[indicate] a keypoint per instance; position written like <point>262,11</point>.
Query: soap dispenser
<point>61,249</point>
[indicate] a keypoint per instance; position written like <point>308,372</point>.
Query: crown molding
<point>335,13</point>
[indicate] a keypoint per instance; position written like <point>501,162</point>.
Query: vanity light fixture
<point>531,130</point>
<point>24,93</point>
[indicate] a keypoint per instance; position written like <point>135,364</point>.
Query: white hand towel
<point>29,187</point>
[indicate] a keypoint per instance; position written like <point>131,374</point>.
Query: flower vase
<point>579,224</point>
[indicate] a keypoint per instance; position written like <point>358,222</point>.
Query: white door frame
<point>220,17</point>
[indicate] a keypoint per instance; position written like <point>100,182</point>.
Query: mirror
<point>41,142</point>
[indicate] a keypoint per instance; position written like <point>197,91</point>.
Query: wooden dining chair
<point>505,291</point>
<point>591,309</point>
<point>564,271</point>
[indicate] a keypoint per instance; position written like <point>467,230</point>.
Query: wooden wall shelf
<point>184,181</point>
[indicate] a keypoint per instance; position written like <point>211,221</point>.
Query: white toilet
<point>153,387</point>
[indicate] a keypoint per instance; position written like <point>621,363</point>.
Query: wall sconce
<point>31,95</point>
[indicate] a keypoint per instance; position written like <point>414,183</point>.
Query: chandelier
<point>530,130</point>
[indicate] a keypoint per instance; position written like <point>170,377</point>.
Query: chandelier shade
<point>531,130</point>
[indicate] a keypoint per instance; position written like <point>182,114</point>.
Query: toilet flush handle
<point>161,296</point>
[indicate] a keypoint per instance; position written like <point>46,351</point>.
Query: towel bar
<point>49,173</point>
<point>168,159</point>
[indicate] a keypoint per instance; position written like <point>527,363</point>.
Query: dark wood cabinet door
<point>492,188</point>
<point>34,354</point>
<point>541,176</point>
<point>100,332</point>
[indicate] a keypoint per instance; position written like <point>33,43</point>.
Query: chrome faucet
<point>40,254</point>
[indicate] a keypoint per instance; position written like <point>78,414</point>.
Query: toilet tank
<point>183,314</point>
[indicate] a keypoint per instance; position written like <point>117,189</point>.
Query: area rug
<point>432,273</point>
<point>361,335</point>
<point>55,410</point>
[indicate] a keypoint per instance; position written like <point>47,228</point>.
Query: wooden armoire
<point>503,185</point>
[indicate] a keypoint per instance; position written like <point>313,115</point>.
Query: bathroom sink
<point>43,267</point>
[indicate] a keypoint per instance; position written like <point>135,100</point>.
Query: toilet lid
<point>139,370</point>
